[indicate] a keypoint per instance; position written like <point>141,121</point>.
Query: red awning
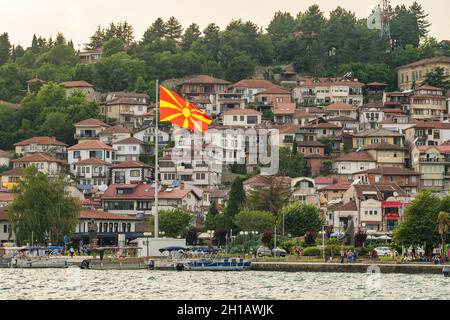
<point>392,216</point>
<point>391,204</point>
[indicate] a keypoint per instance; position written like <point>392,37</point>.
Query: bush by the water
<point>312,252</point>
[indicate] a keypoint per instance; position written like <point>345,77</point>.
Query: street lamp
<point>244,233</point>
<point>364,228</point>
<point>161,233</point>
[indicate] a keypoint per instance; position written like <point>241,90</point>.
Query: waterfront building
<point>415,73</point>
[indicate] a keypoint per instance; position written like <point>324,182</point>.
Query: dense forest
<point>315,44</point>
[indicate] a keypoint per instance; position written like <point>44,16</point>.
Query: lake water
<point>74,283</point>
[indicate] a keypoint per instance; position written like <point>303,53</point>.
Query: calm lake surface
<point>74,283</point>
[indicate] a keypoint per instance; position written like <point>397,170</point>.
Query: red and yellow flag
<point>175,109</point>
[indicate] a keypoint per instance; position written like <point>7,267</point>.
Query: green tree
<point>444,222</point>
<point>405,27</point>
<point>292,163</point>
<point>5,48</point>
<point>118,72</point>
<point>254,220</point>
<point>235,202</point>
<point>173,29</point>
<point>420,224</point>
<point>112,46</point>
<point>421,18</point>
<point>42,206</point>
<point>437,78</point>
<point>270,199</point>
<point>191,34</point>
<point>299,218</point>
<point>241,67</point>
<point>156,31</point>
<point>175,222</point>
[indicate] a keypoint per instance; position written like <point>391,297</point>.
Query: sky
<point>78,19</point>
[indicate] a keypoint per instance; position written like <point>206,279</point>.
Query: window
<point>135,173</point>
<point>242,118</point>
<point>235,118</point>
<point>5,228</point>
<point>76,154</point>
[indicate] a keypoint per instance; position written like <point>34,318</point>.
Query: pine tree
<point>421,17</point>
<point>174,30</point>
<point>191,35</point>
<point>235,202</point>
<point>156,31</point>
<point>5,48</point>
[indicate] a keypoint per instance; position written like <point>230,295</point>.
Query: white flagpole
<point>156,214</point>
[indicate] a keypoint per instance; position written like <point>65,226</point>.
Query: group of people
<point>82,250</point>
<point>350,255</point>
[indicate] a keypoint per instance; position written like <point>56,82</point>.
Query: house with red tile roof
<point>9,178</point>
<point>88,149</point>
<point>107,223</point>
<point>129,172</point>
<point>427,102</point>
<point>428,133</point>
<point>48,145</point>
<point>129,149</point>
<point>380,206</point>
<point>90,56</point>
<point>406,179</point>
<point>268,98</point>
<point>323,91</point>
<point>339,109</point>
<point>83,86</point>
<point>283,113</point>
<point>348,164</point>
<point>388,155</point>
<point>133,198</point>
<point>43,162</point>
<point>91,173</point>
<point>114,134</point>
<point>89,129</point>
<point>249,88</point>
<point>5,157</point>
<point>126,110</point>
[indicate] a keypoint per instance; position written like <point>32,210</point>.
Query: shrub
<point>310,238</point>
<point>289,244</point>
<point>312,252</point>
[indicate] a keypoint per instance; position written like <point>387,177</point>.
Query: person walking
<point>342,255</point>
<point>71,251</point>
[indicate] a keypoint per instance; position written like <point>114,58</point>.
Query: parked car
<point>383,251</point>
<point>278,252</point>
<point>263,252</point>
<point>266,252</point>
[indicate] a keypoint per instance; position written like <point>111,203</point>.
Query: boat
<point>218,265</point>
<point>44,263</point>
<point>30,258</point>
<point>116,265</point>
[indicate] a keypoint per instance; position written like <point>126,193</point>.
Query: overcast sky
<point>78,19</point>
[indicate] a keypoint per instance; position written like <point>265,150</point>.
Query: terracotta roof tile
<point>251,83</point>
<point>92,161</point>
<point>274,90</point>
<point>112,130</point>
<point>340,106</point>
<point>356,156</point>
<point>92,122</point>
<point>78,84</point>
<point>90,145</point>
<point>16,172</point>
<point>284,109</point>
<point>39,157</point>
<point>440,59</point>
<point>206,79</point>
<point>5,154</point>
<point>51,141</point>
<point>130,140</point>
<point>384,146</point>
<point>131,164</point>
<point>391,171</point>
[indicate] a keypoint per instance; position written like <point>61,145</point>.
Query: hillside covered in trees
<point>314,43</point>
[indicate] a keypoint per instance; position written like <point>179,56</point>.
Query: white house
<point>349,164</point>
<point>147,134</point>
<point>128,149</point>
<point>5,157</point>
<point>88,149</point>
<point>114,134</point>
<point>91,173</point>
<point>241,117</point>
<point>43,162</point>
<point>130,172</point>
<point>249,88</point>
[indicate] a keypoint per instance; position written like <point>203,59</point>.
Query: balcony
<point>440,160</point>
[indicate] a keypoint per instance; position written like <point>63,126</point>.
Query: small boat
<point>218,265</point>
<point>119,265</point>
<point>39,263</point>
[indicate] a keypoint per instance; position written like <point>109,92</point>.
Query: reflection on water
<point>74,283</point>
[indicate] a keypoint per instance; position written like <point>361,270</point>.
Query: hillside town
<point>368,151</point>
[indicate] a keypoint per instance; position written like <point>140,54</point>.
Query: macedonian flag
<point>175,109</point>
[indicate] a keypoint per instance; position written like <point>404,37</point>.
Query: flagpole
<point>156,214</point>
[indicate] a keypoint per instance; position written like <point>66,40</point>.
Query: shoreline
<point>413,268</point>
